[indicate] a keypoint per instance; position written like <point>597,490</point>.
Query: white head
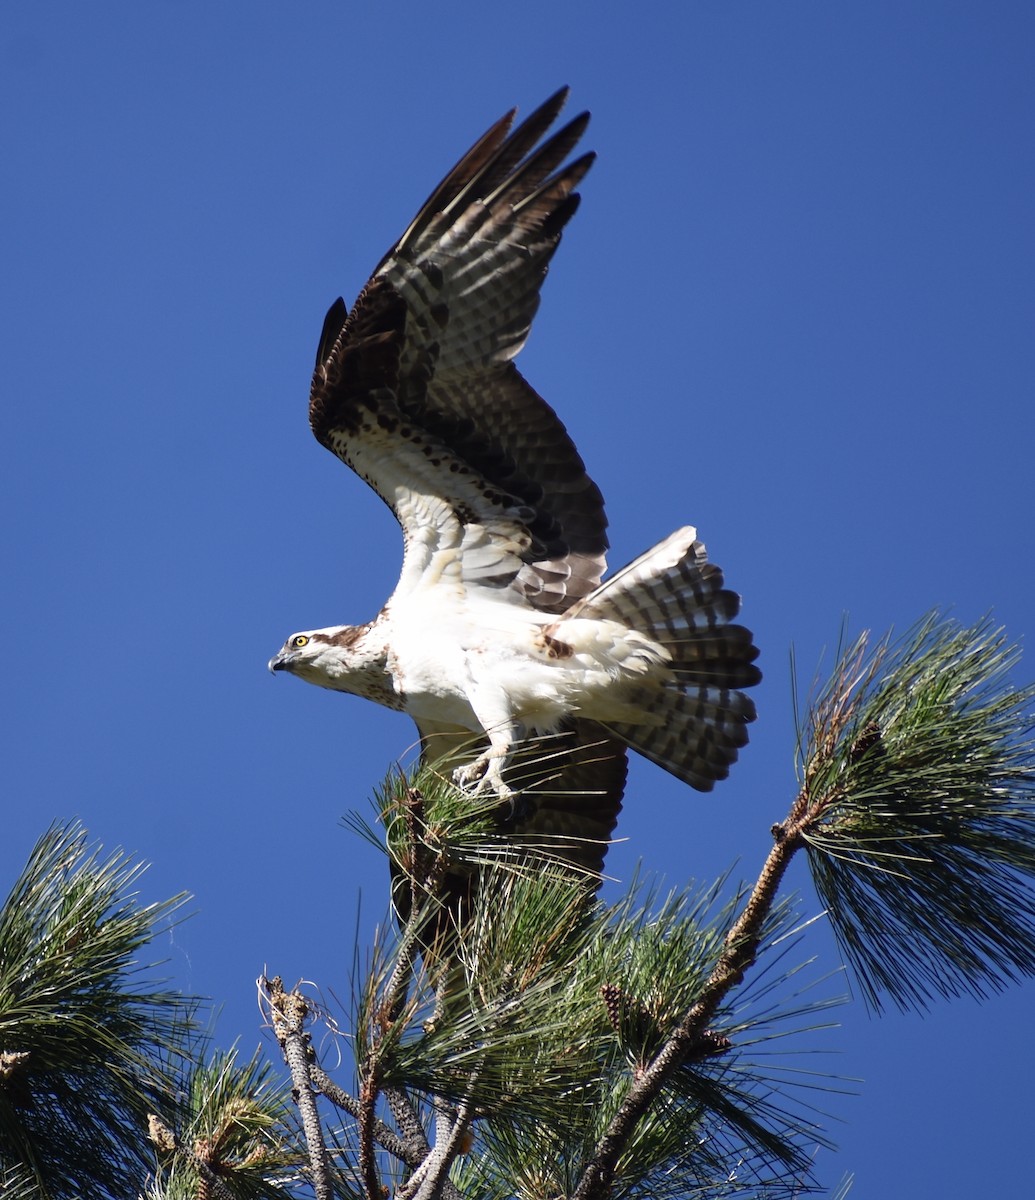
<point>344,658</point>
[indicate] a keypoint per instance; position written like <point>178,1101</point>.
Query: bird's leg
<point>487,769</point>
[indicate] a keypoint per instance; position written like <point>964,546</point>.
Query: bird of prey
<point>500,628</point>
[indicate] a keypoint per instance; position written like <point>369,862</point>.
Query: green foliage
<point>237,1121</point>
<point>646,966</point>
<point>546,1007</point>
<point>919,777</point>
<point>88,1041</point>
<point>497,1023</point>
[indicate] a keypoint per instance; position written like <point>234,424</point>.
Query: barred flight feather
<point>499,627</point>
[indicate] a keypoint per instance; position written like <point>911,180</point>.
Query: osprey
<point>500,630</point>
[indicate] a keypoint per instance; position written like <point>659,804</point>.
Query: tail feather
<point>695,720</point>
<point>697,736</point>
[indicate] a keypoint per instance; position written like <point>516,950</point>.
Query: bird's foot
<point>483,775</point>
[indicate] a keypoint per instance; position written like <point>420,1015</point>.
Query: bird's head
<point>343,657</point>
<point>318,655</point>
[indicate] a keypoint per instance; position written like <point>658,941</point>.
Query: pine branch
<point>407,1119</point>
<point>236,1132</point>
<point>88,1049</point>
<point>368,1093</point>
<point>384,1135</point>
<point>486,944</point>
<point>166,1142</point>
<point>691,1036</point>
<point>919,782</point>
<point>451,1131</point>
<point>519,1032</point>
<point>917,813</point>
<point>288,1012</point>
<point>443,1153</point>
<point>387,1009</point>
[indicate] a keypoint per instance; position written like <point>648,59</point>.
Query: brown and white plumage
<point>499,625</point>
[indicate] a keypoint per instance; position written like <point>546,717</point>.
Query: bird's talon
<point>482,775</point>
<point>472,774</point>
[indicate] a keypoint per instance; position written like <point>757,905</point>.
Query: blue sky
<point>795,309</point>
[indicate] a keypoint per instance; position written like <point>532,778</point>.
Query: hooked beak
<point>284,661</point>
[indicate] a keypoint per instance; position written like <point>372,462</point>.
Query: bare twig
<point>368,1090</point>
<point>434,1182</point>
<point>409,1122</point>
<point>288,1012</point>
<point>384,1135</point>
<point>412,1148</point>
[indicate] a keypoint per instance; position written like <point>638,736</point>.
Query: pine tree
<point>88,1039</point>
<point>530,1042</point>
<point>516,1037</point>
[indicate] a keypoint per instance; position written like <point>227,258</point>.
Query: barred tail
<point>695,720</point>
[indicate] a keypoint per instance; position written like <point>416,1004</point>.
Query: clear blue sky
<point>795,309</point>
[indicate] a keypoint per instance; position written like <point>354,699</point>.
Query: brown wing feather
<point>487,164</point>
<point>571,797</point>
<point>419,374</point>
<point>569,787</point>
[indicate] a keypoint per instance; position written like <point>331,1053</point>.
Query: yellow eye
<point>300,641</point>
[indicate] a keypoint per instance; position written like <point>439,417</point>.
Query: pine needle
<point>88,1048</point>
<point>918,777</point>
<point>237,1124</point>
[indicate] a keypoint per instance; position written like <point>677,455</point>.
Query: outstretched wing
<point>416,389</point>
